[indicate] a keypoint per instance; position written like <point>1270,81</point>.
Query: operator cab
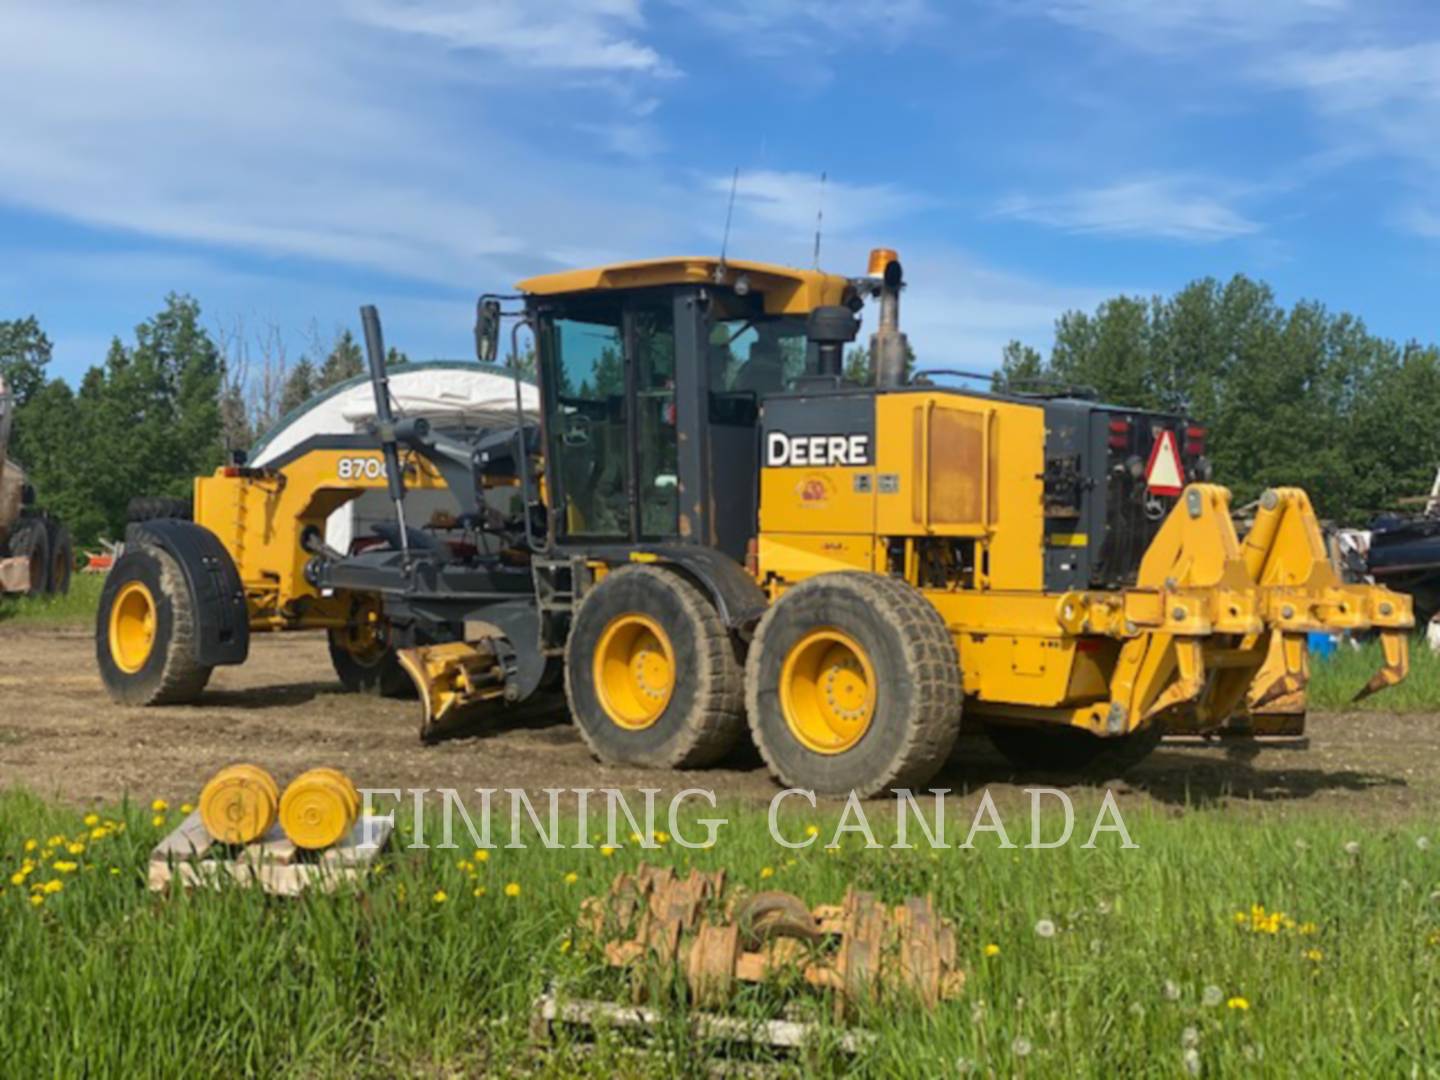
<point>635,358</point>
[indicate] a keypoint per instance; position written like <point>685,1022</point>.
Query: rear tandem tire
<point>674,695</point>
<point>853,684</point>
<point>145,631</point>
<point>62,557</point>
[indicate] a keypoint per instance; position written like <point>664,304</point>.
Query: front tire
<point>651,673</point>
<point>145,631</point>
<point>853,684</point>
<point>30,540</point>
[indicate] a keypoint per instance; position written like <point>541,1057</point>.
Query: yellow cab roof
<point>786,290</point>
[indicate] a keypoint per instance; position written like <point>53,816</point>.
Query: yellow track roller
<point>239,804</point>
<point>319,808</point>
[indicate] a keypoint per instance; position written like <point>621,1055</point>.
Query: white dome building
<point>456,396</point>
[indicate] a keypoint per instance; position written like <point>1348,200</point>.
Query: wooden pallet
<point>188,855</point>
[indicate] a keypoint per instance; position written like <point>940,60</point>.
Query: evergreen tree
<point>300,386</point>
<point>346,360</point>
<point>24,352</point>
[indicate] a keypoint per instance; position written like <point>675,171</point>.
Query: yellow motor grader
<point>714,533</point>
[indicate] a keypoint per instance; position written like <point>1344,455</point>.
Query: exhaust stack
<point>889,349</point>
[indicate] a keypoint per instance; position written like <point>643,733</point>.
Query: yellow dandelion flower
<point>565,945</point>
<point>480,891</point>
<point>481,855</point>
<point>1313,954</point>
<point>158,820</point>
<point>812,830</point>
<point>115,870</point>
<point>18,877</point>
<point>635,838</point>
<point>65,867</point>
<point>1237,1003</point>
<point>662,837</point>
<point>1308,928</point>
<point>76,848</point>
<point>99,832</point>
<point>159,806</point>
<point>54,841</point>
<point>1241,918</point>
<point>992,950</point>
<point>54,885</point>
<point>31,845</point>
<point>571,878</point>
<point>91,820</point>
<point>186,808</point>
<point>606,850</point>
<point>465,864</point>
<point>37,900</point>
<point>512,890</point>
<point>767,871</point>
<point>440,897</point>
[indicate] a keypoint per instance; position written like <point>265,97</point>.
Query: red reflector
<point>1120,427</point>
<point>230,472</point>
<point>1193,432</point>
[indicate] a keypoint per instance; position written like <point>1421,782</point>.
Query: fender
<point>222,618</point>
<point>738,599</point>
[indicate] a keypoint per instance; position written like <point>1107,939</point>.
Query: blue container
<point>1322,645</point>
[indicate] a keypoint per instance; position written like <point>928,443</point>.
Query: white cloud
<point>1176,208</point>
<point>581,35</point>
<point>789,202</point>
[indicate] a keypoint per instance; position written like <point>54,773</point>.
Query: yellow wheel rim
<point>239,804</point>
<point>827,691</point>
<point>634,671</point>
<point>133,620</point>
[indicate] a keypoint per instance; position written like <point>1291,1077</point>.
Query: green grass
<point>104,978</point>
<point>76,606</point>
<point>1335,679</point>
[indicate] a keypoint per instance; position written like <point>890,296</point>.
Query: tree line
<point>157,411</point>
<point>1301,396</point>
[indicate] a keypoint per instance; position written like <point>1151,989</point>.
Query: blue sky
<point>285,163</point>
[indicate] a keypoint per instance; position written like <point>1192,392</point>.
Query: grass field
<point>1157,953</point>
<point>76,606</point>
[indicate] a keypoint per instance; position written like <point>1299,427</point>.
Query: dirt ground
<point>61,736</point>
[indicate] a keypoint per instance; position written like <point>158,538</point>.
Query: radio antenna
<point>729,214</point>
<point>819,220</point>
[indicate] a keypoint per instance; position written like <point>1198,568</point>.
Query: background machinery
<point>36,553</point>
<point>714,533</point>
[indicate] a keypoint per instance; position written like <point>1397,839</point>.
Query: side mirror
<point>487,331</point>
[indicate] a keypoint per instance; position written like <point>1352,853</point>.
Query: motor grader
<point>713,531</point>
<point>36,553</point>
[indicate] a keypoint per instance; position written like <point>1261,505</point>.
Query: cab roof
<point>785,290</point>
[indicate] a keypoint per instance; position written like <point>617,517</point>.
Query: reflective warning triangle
<point>1163,475</point>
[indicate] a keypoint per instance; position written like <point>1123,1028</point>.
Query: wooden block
<point>188,856</point>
